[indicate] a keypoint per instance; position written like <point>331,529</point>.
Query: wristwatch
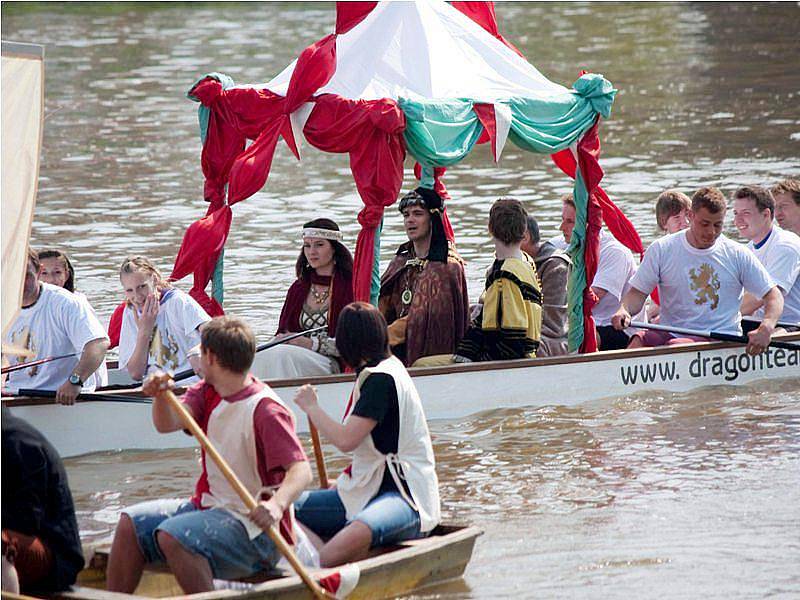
<point>75,379</point>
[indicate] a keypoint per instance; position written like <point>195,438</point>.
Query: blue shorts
<point>388,516</point>
<point>213,533</point>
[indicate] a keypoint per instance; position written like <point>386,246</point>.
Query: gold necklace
<point>320,296</point>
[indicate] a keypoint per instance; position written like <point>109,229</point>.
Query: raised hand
<point>158,383</point>
<point>306,397</point>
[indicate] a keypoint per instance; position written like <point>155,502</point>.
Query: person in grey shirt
<point>553,267</point>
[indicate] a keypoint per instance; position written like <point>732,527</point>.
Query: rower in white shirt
<point>777,249</point>
<point>54,322</point>
<point>701,277</point>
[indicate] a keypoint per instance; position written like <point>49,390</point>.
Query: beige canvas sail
<point>22,118</point>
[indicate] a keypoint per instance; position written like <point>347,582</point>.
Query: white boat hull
<point>450,392</point>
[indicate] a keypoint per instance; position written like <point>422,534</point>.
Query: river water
<point>678,495</point>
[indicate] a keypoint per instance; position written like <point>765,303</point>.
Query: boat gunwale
<point>495,365</point>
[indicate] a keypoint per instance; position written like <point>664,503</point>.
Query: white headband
<point>326,234</point>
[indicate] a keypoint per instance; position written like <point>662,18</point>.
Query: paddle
<point>87,396</point>
<point>778,324</point>
<point>33,363</point>
<point>244,494</point>
<point>319,457</point>
<point>714,335</point>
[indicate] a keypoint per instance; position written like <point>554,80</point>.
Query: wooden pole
<point>242,491</point>
<point>318,456</point>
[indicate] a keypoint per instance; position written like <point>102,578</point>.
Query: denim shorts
<point>388,516</point>
<point>212,533</point>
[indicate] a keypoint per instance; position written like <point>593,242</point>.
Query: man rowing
<point>55,323</point>
<point>787,204</point>
<point>207,537</point>
<point>777,249</point>
<point>423,294</point>
<point>701,276</point>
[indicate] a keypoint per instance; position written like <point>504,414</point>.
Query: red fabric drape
<point>115,324</point>
<point>350,14</point>
<point>371,131</point>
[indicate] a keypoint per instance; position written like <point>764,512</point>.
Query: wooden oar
<point>244,494</point>
<point>33,363</point>
<point>86,396</point>
<point>714,335</point>
<point>185,374</point>
<point>318,456</point>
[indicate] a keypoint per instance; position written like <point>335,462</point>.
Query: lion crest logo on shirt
<point>24,339</point>
<point>164,351</point>
<point>705,284</point>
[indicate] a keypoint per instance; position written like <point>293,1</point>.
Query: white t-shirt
<point>615,267</point>
<point>701,289</point>
<point>780,255</point>
<point>58,323</point>
<point>99,377</point>
<point>179,316</point>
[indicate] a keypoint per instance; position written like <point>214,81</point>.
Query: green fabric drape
<point>442,132</point>
<point>375,285</point>
<point>577,277</point>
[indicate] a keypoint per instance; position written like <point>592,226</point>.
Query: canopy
<point>428,78</point>
<point>22,114</point>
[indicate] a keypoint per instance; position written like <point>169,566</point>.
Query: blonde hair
<point>140,264</point>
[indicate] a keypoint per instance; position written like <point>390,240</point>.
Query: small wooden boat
<point>449,392</point>
<point>387,573</point>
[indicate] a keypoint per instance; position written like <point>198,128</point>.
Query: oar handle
<point>186,373</point>
<point>713,335</point>
<point>86,396</point>
<point>318,456</point>
<point>242,491</point>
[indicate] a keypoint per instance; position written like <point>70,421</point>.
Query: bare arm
<point>164,419</point>
<point>599,292</point>
<point>297,477</point>
<point>773,308</point>
<point>632,303</point>
<point>750,304</point>
<point>346,437</point>
<point>92,356</point>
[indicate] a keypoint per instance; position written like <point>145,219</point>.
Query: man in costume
<point>424,291</point>
<point>552,267</point>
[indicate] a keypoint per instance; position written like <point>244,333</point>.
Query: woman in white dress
<point>324,286</point>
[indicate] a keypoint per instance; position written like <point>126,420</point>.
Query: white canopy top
<point>425,50</point>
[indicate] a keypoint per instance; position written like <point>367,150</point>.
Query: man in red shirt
<point>211,536</point>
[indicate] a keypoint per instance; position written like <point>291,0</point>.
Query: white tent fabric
<point>22,112</point>
<point>425,50</point>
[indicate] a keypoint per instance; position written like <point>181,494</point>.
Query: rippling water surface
<point>684,496</point>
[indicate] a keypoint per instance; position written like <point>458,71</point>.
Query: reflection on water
<point>687,495</point>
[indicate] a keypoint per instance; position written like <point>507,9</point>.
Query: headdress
<point>326,234</point>
<point>433,203</point>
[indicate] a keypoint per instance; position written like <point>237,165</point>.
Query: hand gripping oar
<point>714,335</point>
<point>244,494</point>
<point>33,363</point>
<point>319,457</point>
<point>185,374</point>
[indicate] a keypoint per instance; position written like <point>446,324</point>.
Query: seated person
<point>324,286</point>
<point>207,537</point>
<point>552,267</point>
<point>561,241</point>
<point>777,249</point>
<point>672,211</point>
<point>57,270</point>
<point>509,324</point>
<point>160,326</point>
<point>701,276</point>
<point>672,216</point>
<point>390,491</point>
<point>615,267</point>
<point>40,533</point>
<point>53,322</point>
<point>787,204</point>
<point>423,292</point>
